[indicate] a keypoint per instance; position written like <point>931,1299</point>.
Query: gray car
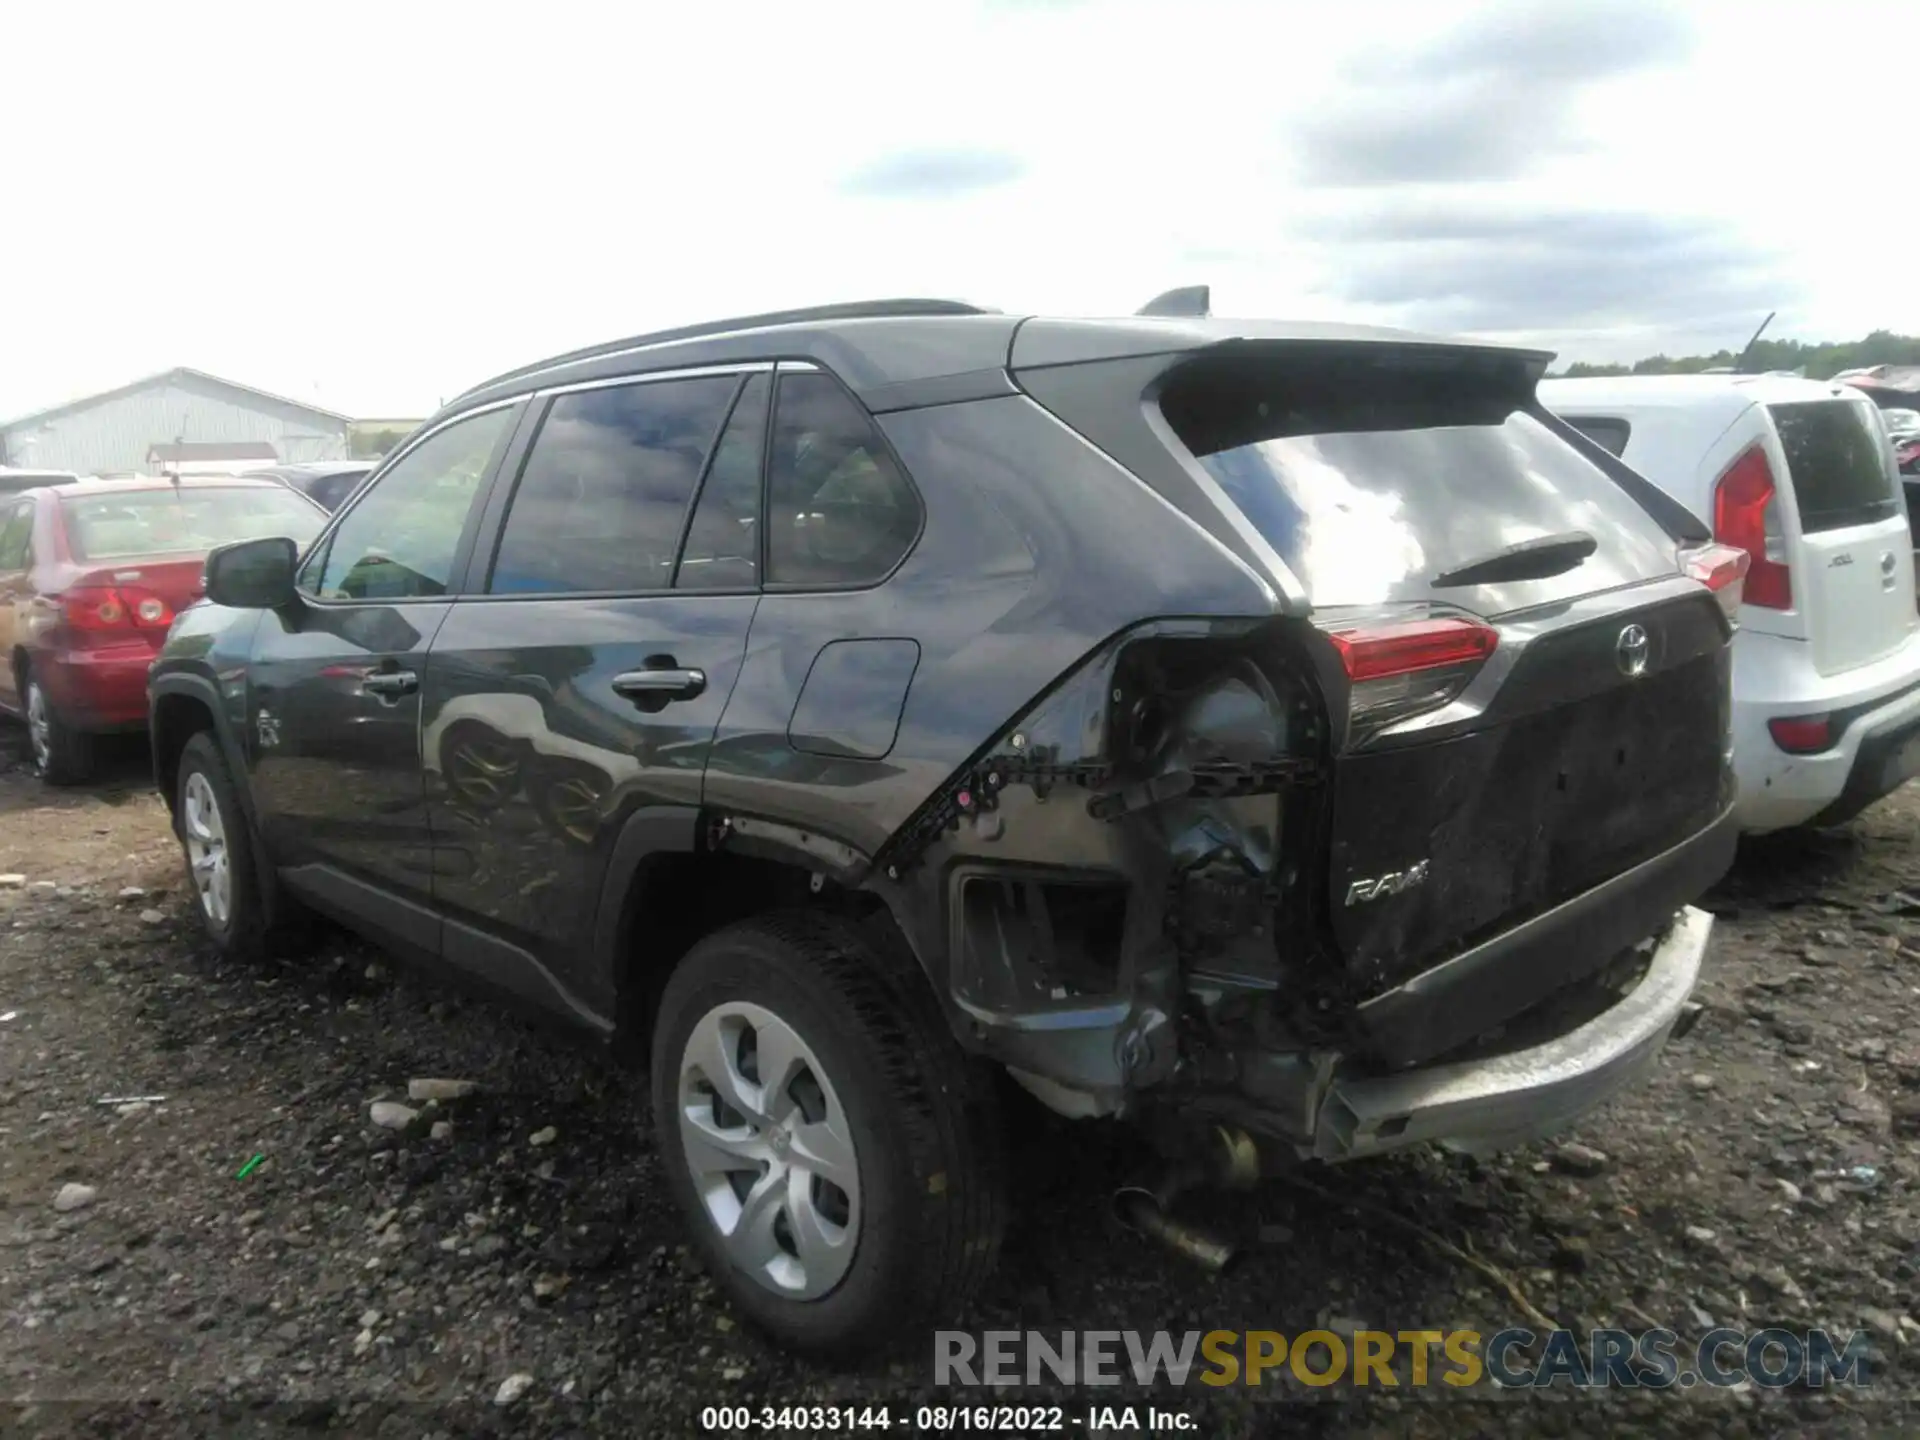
<point>327,483</point>
<point>1287,739</point>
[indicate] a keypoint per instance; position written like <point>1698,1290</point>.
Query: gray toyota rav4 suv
<point>1289,739</point>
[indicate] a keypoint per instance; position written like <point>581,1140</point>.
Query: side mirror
<point>252,574</point>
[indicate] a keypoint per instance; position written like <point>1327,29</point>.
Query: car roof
<point>11,475</point>
<point>899,353</point>
<point>155,482</point>
<point>1710,394</point>
<point>313,469</point>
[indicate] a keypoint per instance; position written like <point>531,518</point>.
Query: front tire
<point>222,877</point>
<point>61,754</point>
<point>835,1153</point>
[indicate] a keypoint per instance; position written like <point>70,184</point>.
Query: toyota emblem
<point>1631,649</point>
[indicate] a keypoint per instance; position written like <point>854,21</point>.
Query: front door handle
<point>660,683</point>
<point>390,684</point>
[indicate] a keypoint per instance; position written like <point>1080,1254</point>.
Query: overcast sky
<point>372,207</point>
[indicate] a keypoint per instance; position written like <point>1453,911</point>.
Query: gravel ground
<point>368,1281</point>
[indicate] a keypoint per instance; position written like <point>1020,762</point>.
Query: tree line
<point>1821,361</point>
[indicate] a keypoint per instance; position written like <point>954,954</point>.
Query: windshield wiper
<point>1536,559</point>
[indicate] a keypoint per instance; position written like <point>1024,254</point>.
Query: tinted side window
<point>398,542</point>
<point>1606,431</point>
<point>839,511</point>
<point>723,543</point>
<point>16,535</point>
<point>606,488</point>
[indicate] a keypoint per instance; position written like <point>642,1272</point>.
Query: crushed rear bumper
<point>1500,1101</point>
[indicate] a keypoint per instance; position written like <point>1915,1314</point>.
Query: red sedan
<point>91,574</point>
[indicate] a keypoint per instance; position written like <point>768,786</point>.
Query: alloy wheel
<point>207,855</point>
<point>769,1150</point>
<point>39,725</point>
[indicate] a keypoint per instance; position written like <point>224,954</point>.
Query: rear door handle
<point>390,684</point>
<point>660,683</point>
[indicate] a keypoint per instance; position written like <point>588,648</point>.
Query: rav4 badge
<point>1391,883</point>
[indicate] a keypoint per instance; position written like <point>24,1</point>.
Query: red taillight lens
<point>1723,570</point>
<point>95,609</point>
<point>102,608</point>
<point>1401,668</point>
<point>1745,517</point>
<point>150,612</point>
<point>1374,652</point>
<point>1801,734</point>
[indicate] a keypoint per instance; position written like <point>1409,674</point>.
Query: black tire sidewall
<point>68,750</point>
<point>244,924</point>
<point>750,966</point>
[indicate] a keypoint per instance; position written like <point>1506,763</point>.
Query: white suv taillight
<point>1746,517</point>
<point>1723,570</point>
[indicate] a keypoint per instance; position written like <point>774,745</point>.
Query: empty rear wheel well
<point>675,899</point>
<point>176,720</point>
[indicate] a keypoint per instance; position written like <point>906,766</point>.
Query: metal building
<point>119,429</point>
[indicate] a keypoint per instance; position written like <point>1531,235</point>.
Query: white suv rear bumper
<point>1773,678</point>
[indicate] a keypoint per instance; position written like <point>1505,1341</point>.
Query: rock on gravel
<point>1577,1159</point>
<point>153,917</point>
<point>442,1130</point>
<point>512,1388</point>
<point>543,1137</point>
<point>424,1090</point>
<point>74,1197</point>
<point>391,1114</point>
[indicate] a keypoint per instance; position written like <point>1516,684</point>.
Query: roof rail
<point>850,310</point>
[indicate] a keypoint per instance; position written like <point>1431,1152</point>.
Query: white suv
<point>1799,474</point>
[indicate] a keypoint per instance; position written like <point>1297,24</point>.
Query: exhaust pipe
<point>1234,1163</point>
<point>1139,1209</point>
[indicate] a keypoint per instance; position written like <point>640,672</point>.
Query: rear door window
<point>1837,464</point>
<point>1370,478</point>
<point>723,542</point>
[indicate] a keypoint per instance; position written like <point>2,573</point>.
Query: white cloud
<point>374,206</point>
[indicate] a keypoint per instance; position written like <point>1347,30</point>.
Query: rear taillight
<point>98,608</point>
<point>1723,570</point>
<point>1401,668</point>
<point>1746,517</point>
<point>1802,734</point>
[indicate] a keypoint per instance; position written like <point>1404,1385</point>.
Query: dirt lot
<point>365,1282</point>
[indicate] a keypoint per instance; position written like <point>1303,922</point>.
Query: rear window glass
<point>179,521</point>
<point>1837,463</point>
<point>1370,478</point>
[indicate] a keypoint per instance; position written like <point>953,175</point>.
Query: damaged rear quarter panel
<point>1037,550</point>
